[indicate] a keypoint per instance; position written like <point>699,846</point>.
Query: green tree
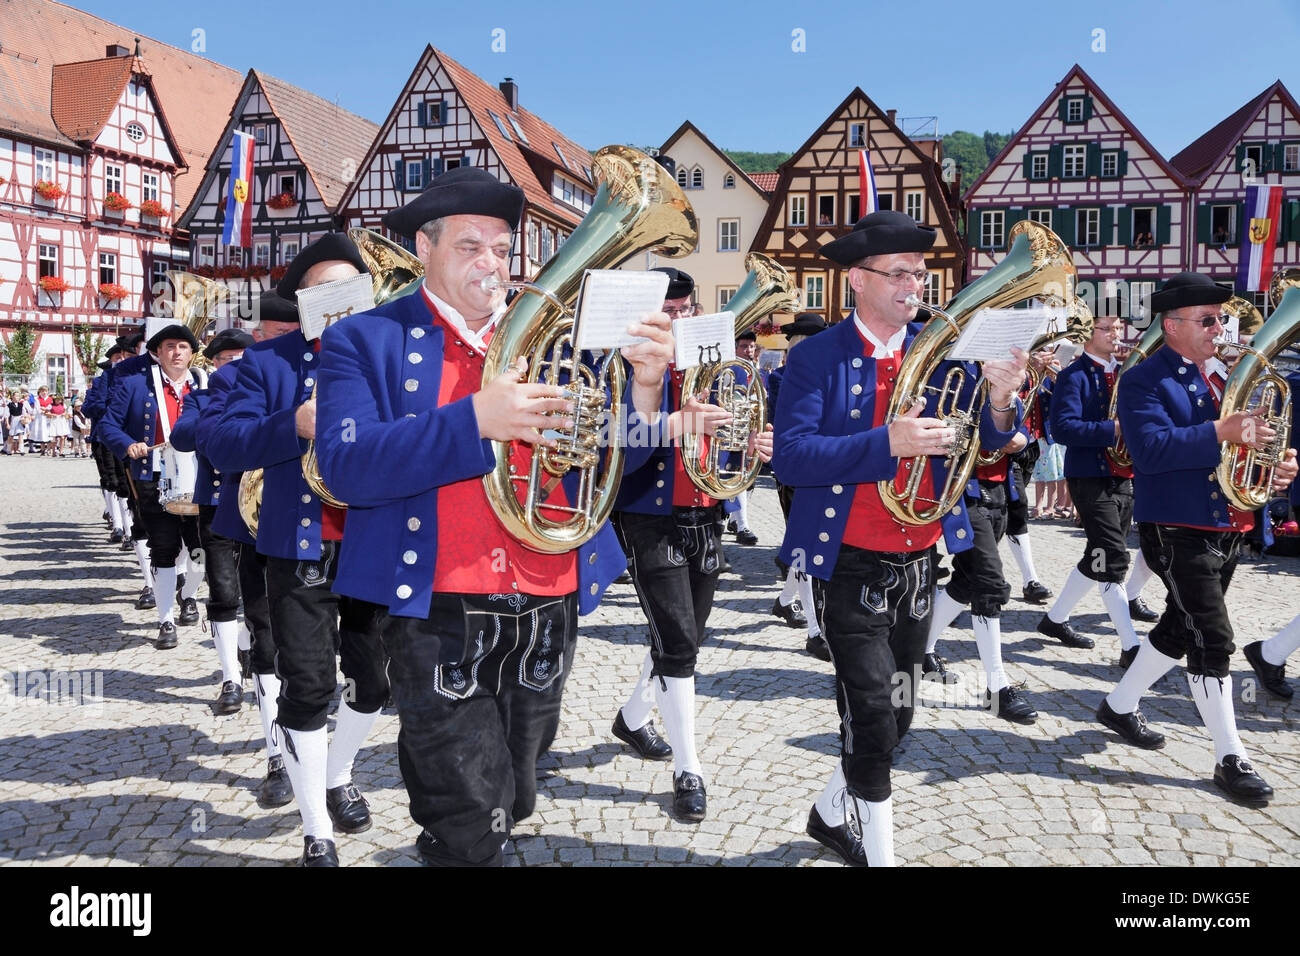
<point>993,143</point>
<point>89,347</point>
<point>20,354</point>
<point>969,152</point>
<point>752,162</point>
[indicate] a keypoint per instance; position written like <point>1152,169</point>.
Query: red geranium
<point>278,273</point>
<point>116,202</point>
<point>152,207</point>
<point>53,284</point>
<point>281,201</point>
<point>48,190</point>
<point>112,291</point>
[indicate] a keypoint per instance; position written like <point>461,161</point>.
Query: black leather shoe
<point>348,809</point>
<point>116,536</point>
<point>1011,705</point>
<point>624,578</point>
<point>932,668</point>
<point>818,648</point>
<point>319,852</point>
<point>128,544</point>
<point>426,847</point>
<point>1272,676</point>
<point>1138,611</point>
<point>731,525</point>
<point>746,537</point>
<point>645,741</point>
<point>276,790</point>
<point>1126,657</point>
<point>231,698</point>
<point>145,602</point>
<point>1036,592</point>
<point>189,611</point>
<point>1238,779</point>
<point>166,636</point>
<point>791,613</point>
<point>1132,727</point>
<point>1063,633</point>
<point>689,802</point>
<point>841,839</point>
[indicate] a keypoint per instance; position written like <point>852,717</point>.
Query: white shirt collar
<point>458,323</point>
<point>880,349</point>
<point>1107,365</point>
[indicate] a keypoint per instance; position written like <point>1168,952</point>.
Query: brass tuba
<point>1254,386</point>
<point>1038,265</point>
<point>1078,329</point>
<point>638,206</point>
<point>394,272</point>
<point>768,288</point>
<point>193,299</point>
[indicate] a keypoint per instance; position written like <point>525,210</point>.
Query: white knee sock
<point>267,688</point>
<point>742,514</point>
<point>1116,601</point>
<point>304,757</point>
<point>877,823</point>
<point>988,638</point>
<point>125,508</point>
<point>677,705</point>
<point>142,556</point>
<point>636,712</point>
<point>183,563</point>
<point>225,635</point>
<point>1075,587</point>
<point>945,612</point>
<point>1282,644</point>
<point>809,603</point>
<point>164,592</point>
<point>830,805</point>
<point>1148,667</point>
<point>114,510</point>
<point>245,636</point>
<point>1023,552</point>
<point>351,728</point>
<point>1138,577</point>
<point>193,578</point>
<point>1213,696</point>
<point>108,500</point>
<point>791,589</point>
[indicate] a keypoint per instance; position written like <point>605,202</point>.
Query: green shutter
<point>1125,225</point>
<point>1015,214</point>
<point>1241,157</point>
<point>1122,167</point>
<point>1203,223</point>
<point>1063,108</point>
<point>1164,218</point>
<point>1092,167</point>
<point>1279,157</point>
<point>427,176</point>
<point>1266,157</point>
<point>1243,224</point>
<point>1087,108</point>
<point>399,175</point>
<point>1055,162</point>
<point>422,113</point>
<point>1063,225</point>
<point>1029,165</point>
<point>1107,226</point>
<point>1291,220</point>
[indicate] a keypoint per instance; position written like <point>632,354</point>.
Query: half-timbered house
<point>816,199</point>
<point>444,117</point>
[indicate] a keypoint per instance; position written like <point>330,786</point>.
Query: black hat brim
<point>331,247</point>
<point>464,191</point>
<point>880,234</point>
<point>170,332</point>
<point>227,339</point>
<point>1188,289</point>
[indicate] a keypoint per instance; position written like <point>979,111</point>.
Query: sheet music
<point>321,306</point>
<point>703,339</point>
<point>991,333</point>
<point>612,299</point>
<point>156,323</point>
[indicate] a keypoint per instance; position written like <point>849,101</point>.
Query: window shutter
<point>1063,225</point>
<point>1063,109</point>
<point>1055,163</point>
<point>1125,225</point>
<point>439,164</point>
<point>399,175</point>
<point>1279,157</point>
<point>1014,215</point>
<point>1164,218</point>
<point>427,169</point>
<point>1029,165</point>
<point>1087,108</point>
<point>1107,225</point>
<point>1093,161</point>
<point>1291,220</point>
<point>1122,167</point>
<point>422,113</point>
<point>1243,224</point>
<point>1241,157</point>
<point>1266,157</point>
<point>1203,223</point>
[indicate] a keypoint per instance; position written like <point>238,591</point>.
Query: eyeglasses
<point>685,312</point>
<point>899,276</point>
<point>1207,322</point>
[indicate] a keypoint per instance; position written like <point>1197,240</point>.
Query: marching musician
<point>142,410</point>
<point>738,507</point>
<point>275,317</point>
<point>1022,469</point>
<point>219,552</point>
<point>671,532</point>
<point>833,445</point>
<point>1173,427</point>
<point>268,420</point>
<point>1101,490</point>
<point>480,628</point>
<point>93,408</point>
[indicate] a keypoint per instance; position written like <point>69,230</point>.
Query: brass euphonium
<point>1151,340</point>
<point>394,272</point>
<point>638,206</point>
<point>1282,280</point>
<point>1078,329</point>
<point>1038,265</point>
<point>193,299</point>
<point>1254,386</point>
<point>729,467</point>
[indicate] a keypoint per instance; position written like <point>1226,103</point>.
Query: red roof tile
<point>1197,159</point>
<point>765,181</point>
<point>82,95</point>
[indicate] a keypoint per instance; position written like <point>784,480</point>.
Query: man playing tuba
<point>480,629</point>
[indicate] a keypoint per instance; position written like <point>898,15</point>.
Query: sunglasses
<point>1208,321</point>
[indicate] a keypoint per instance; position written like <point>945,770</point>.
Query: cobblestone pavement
<point>132,767</point>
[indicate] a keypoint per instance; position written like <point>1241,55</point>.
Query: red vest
<point>1240,520</point>
<point>685,494</point>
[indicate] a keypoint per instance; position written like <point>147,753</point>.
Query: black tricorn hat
<point>113,349</point>
<point>329,247</point>
<point>227,339</point>
<point>880,234</point>
<point>805,323</point>
<point>463,191</point>
<point>270,307</point>
<point>680,284</point>
<point>1188,288</point>
<point>104,365</point>
<point>173,331</point>
<point>749,335</point>
<point>130,341</point>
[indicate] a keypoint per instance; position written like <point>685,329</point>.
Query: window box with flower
<point>153,208</point>
<point>48,190</point>
<point>112,292</point>
<point>53,284</point>
<point>116,202</point>
<point>282,201</point>
<point>277,273</point>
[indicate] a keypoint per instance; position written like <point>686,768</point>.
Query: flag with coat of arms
<point>1259,237</point>
<point>238,229</point>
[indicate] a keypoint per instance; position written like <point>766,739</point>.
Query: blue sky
<point>631,73</point>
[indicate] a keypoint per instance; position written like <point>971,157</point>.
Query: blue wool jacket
<point>1081,419</point>
<point>227,522</point>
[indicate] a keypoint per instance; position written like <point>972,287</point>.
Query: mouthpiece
<point>912,301</point>
<point>490,283</point>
